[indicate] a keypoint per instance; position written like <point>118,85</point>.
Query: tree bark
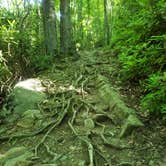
<point>80,25</point>
<point>106,24</point>
<point>89,37</point>
<point>112,21</point>
<point>66,43</point>
<point>88,8</point>
<point>49,21</point>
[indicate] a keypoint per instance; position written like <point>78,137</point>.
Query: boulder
<point>27,94</point>
<point>109,100</point>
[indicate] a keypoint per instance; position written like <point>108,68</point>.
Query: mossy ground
<point>76,141</point>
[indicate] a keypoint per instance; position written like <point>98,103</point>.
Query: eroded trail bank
<point>78,118</point>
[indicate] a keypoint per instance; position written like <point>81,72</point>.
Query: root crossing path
<point>87,118</point>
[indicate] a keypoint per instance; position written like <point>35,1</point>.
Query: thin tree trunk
<point>39,17</point>
<point>106,24</point>
<point>88,8</point>
<point>50,33</point>
<point>99,31</point>
<point>66,43</point>
<point>80,25</point>
<point>112,21</point>
<point>87,23</point>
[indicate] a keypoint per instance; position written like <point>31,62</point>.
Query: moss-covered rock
<point>89,124</point>
<point>27,94</point>
<point>29,118</point>
<point>117,109</point>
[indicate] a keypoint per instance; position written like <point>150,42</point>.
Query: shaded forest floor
<point>77,126</point>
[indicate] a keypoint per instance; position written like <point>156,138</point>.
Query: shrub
<point>139,36</point>
<point>5,75</point>
<point>155,99</point>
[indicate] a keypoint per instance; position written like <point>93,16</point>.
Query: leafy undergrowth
<point>75,130</point>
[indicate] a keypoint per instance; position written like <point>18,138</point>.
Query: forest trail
<point>76,127</point>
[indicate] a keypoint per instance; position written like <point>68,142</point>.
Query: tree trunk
<point>98,22</point>
<point>112,21</point>
<point>79,21</point>
<point>88,35</point>
<point>50,33</point>
<point>66,42</point>
<point>106,24</point>
<point>88,8</point>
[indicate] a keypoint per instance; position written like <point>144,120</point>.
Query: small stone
<point>89,123</point>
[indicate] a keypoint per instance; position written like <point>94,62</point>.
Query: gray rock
<point>89,124</point>
<point>27,94</point>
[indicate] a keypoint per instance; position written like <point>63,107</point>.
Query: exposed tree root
<point>118,146</point>
<point>125,164</point>
<point>74,114</point>
<point>53,154</point>
<point>101,155</point>
<point>86,140</point>
<point>62,115</point>
<point>39,131</point>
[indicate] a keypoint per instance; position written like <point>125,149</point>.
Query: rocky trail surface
<point>77,114</point>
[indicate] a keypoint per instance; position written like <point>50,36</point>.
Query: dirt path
<point>77,127</point>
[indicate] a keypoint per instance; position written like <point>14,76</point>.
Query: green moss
<point>25,99</point>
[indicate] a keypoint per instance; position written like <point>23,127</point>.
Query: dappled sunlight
<point>31,84</point>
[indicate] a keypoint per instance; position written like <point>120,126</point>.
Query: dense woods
<point>39,36</point>
<point>33,33</point>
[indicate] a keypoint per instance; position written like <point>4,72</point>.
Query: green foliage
<point>140,38</point>
<point>4,70</point>
<point>154,100</point>
<point>5,76</point>
<point>41,62</point>
<point>20,38</point>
